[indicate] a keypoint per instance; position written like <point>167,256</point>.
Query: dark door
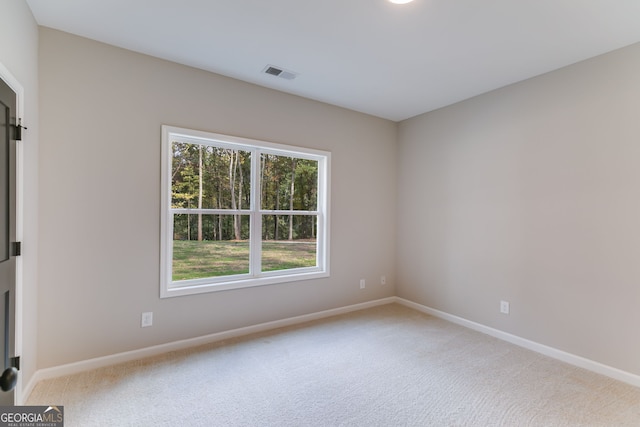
<point>7,238</point>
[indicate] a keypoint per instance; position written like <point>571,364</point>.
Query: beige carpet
<point>386,366</point>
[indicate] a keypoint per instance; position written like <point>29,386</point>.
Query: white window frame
<point>170,288</point>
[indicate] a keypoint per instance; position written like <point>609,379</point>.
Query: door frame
<point>13,83</point>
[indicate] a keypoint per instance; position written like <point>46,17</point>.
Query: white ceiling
<point>391,61</point>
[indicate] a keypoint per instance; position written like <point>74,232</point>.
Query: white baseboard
<point>563,356</point>
<point>100,362</point>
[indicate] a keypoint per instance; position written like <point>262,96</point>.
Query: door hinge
<point>15,362</point>
<point>16,248</point>
<point>17,130</point>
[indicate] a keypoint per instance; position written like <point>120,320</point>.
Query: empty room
<point>332,213</point>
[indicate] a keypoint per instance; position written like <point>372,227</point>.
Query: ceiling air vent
<point>279,72</point>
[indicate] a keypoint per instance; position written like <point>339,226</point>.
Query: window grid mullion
<point>255,239</point>
<point>191,211</point>
<point>288,212</point>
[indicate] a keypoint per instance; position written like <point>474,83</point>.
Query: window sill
<point>194,287</point>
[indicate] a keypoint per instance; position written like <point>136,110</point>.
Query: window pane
<point>288,183</point>
<point>210,246</point>
<point>208,177</point>
<point>288,241</point>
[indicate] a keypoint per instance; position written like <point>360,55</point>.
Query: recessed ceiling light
<point>400,1</point>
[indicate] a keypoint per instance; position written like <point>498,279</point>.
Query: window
<point>238,212</point>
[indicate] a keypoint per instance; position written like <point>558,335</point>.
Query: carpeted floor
<point>385,366</point>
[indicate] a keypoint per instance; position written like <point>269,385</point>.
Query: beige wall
<point>102,108</point>
<point>531,194</point>
<point>19,55</point>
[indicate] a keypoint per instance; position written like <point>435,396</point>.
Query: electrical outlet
<point>383,280</point>
<point>147,319</point>
<point>362,284</point>
<point>504,307</point>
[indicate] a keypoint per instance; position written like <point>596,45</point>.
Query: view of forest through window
<point>218,194</point>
